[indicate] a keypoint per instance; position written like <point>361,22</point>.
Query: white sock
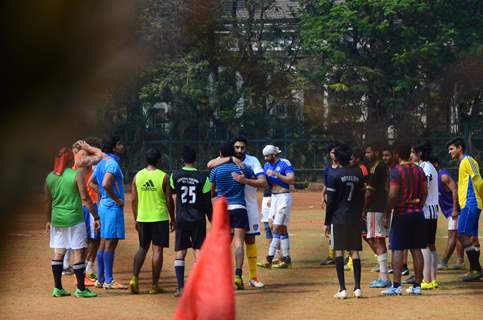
<point>435,264</point>
<point>89,267</point>
<point>274,244</point>
<point>382,260</point>
<point>66,259</point>
<point>428,264</point>
<point>285,245</point>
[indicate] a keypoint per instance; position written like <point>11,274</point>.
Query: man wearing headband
<point>280,175</point>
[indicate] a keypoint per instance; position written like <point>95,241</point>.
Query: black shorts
<point>155,232</point>
<point>190,236</point>
<point>346,237</point>
<point>239,219</point>
<point>430,229</point>
<point>408,231</point>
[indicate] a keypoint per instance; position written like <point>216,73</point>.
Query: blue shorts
<point>239,219</point>
<point>112,222</point>
<point>89,220</point>
<point>408,231</point>
<point>468,221</point>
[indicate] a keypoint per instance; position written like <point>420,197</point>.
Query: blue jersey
<point>283,167</point>
<point>226,186</point>
<point>109,166</point>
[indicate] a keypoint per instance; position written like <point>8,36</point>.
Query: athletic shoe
<point>375,269</point>
<point>92,276</point>
<point>341,294</point>
<point>405,272</point>
<point>409,280</point>
<point>276,260</point>
<point>85,294</point>
<point>415,291</point>
<point>155,290</point>
<point>327,262</point>
<point>443,265</point>
<point>88,282</point>
<point>98,284</point>
<point>380,283</point>
<point>456,266</point>
<point>472,276</point>
<point>239,283</point>
<point>134,285</point>
<point>254,283</point>
<point>60,293</point>
<point>358,293</point>
<point>282,265</point>
<point>178,292</point>
<point>390,271</point>
<point>68,272</point>
<point>114,285</point>
<point>425,285</point>
<point>264,264</point>
<point>435,284</point>
<point>391,291</point>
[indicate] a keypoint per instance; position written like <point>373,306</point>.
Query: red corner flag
<point>208,293</point>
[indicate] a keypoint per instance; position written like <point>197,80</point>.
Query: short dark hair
<point>343,154</point>
<point>375,146</point>
<point>226,149</point>
<point>457,142</point>
<point>188,155</point>
<point>425,148</point>
<point>434,160</point>
<point>357,153</point>
<point>152,156</point>
<point>94,141</point>
<point>387,148</point>
<point>241,139</point>
<point>109,143</point>
<point>403,150</point>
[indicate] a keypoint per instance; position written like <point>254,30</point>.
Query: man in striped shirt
<point>470,196</point>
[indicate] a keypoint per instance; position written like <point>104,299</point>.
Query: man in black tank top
<point>193,202</point>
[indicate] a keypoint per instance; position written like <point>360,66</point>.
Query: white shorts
<point>375,229</point>
<point>252,212</point>
<point>265,209</point>
<point>452,224</point>
<point>74,237</point>
<point>280,208</point>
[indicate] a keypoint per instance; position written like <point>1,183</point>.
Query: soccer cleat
<point>390,271</point>
<point>114,285</point>
<point>341,294</point>
<point>409,280</point>
<point>405,272</point>
<point>98,284</point>
<point>456,266</point>
<point>155,290</point>
<point>415,291</point>
<point>472,276</point>
<point>239,283</point>
<point>92,276</point>
<point>391,291</point>
<point>254,283</point>
<point>282,265</point>
<point>425,285</point>
<point>178,292</point>
<point>443,266</point>
<point>264,264</point>
<point>380,283</point>
<point>134,285</point>
<point>327,262</point>
<point>85,294</point>
<point>435,284</point>
<point>60,293</point>
<point>358,293</point>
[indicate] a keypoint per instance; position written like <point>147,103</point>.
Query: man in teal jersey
<point>65,192</point>
<point>151,204</point>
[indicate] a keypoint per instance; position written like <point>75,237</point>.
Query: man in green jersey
<point>151,205</point>
<point>65,192</point>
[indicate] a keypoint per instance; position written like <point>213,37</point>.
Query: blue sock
<point>108,263</point>
<point>179,269</point>
<point>100,266</point>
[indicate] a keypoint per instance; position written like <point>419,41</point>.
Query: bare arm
<point>259,182</point>
<point>288,179</point>
<point>86,200</point>
<point>134,199</point>
<point>48,207</point>
<point>169,202</point>
<point>87,155</point>
<point>107,183</point>
<point>93,184</point>
<point>451,185</point>
<point>392,198</point>
<point>218,161</point>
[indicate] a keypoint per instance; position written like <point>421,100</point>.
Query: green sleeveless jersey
<point>66,200</point>
<point>151,198</point>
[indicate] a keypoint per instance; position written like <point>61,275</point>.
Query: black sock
<point>405,266</point>
<point>396,284</point>
<point>79,270</point>
<point>477,249</point>
<point>357,273</point>
<point>238,272</point>
<point>339,267</point>
<point>269,259</point>
<point>473,259</point>
<point>57,267</point>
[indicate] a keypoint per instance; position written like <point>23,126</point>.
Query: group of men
<point>85,209</point>
<point>398,191</point>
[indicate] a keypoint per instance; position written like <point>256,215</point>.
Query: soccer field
<point>304,292</point>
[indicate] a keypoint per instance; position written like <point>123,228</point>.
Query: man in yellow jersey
<point>470,197</point>
<point>151,205</point>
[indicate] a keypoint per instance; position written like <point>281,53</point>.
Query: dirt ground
<point>304,292</point>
